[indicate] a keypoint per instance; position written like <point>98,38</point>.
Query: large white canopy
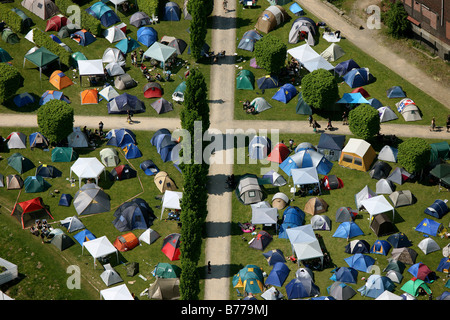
<point>377,205</point>
<point>100,247</point>
<point>317,63</point>
<point>87,168</point>
<point>119,292</point>
<point>267,216</point>
<point>171,200</point>
<point>306,175</point>
<point>90,67</point>
<point>303,53</point>
<point>304,242</point>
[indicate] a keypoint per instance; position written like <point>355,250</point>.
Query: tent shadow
<point>217,184</point>
<point>219,229</point>
<point>218,271</point>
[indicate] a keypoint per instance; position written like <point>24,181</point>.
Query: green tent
<point>245,80</point>
<point>34,184</point>
<point>302,107</point>
<point>167,270</point>
<point>250,278</point>
<point>26,21</point>
<point>20,163</point>
<point>412,287</point>
<point>41,57</point>
<point>64,154</point>
<point>9,36</point>
<point>439,150</point>
<point>181,87</point>
<point>4,56</point>
<point>76,56</point>
<point>442,172</point>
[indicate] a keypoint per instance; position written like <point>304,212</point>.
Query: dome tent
<point>91,199</point>
<point>124,171</point>
<point>271,18</point>
<point>135,214</point>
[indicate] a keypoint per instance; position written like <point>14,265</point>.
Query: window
<point>358,161</point>
<point>251,194</point>
<point>347,158</point>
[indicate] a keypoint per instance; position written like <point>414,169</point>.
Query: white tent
<point>108,93</point>
<point>113,55</point>
<point>171,200</point>
<point>384,186</point>
<point>117,2</point>
<point>149,236</point>
<point>100,247</point>
<point>119,292</point>
<point>266,216</point>
<point>303,176</point>
<point>333,52</point>
<point>114,69</point>
<point>304,242</point>
<point>388,153</point>
<point>90,68</point>
<point>17,140</point>
<point>428,245</point>
<point>303,53</point>
<point>377,205</point>
<point>386,114</point>
<point>365,193</point>
<point>317,63</point>
<point>387,295</point>
<point>110,276</point>
<point>114,34</point>
<point>87,168</point>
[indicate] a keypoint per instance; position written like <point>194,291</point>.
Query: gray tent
<point>162,106</point>
<point>91,199</point>
<point>14,182</point>
<point>44,9</point>
<point>248,190</point>
<point>2,184</point>
<point>72,224</point>
<point>165,289</point>
<point>365,193</point>
<point>341,291</point>
<point>140,19</point>
<point>114,69</point>
<point>428,245</point>
<point>401,198</point>
<point>124,81</point>
<point>321,222</point>
<point>384,186</point>
<point>304,24</point>
<point>149,236</point>
<point>62,241</point>
<point>333,52</point>
<point>110,276</point>
<point>388,153</point>
<point>260,104</point>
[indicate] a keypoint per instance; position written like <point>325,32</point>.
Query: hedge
<point>150,7</point>
<point>10,81</point>
<point>12,19</point>
<point>42,39</point>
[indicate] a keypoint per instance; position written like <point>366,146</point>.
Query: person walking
<point>344,118</point>
<point>310,119</point>
<point>448,123</point>
<point>433,124</point>
<point>291,144</point>
<point>100,128</point>
<point>209,267</point>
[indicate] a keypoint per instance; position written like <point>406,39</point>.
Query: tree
<point>364,121</point>
<point>10,81</point>
<point>397,20</point>
<point>414,154</point>
<point>270,53</point>
<point>55,120</point>
<point>320,89</point>
<point>198,27</point>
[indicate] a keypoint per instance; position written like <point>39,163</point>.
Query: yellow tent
<point>164,182</point>
<point>357,154</point>
<point>60,80</point>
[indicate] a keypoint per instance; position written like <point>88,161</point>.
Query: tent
<point>109,157</point>
<point>408,109</point>
<point>304,242</point>
<point>153,90</point>
<point>89,96</point>
<point>357,154</point>
<point>109,18</point>
<point>382,225</point>
<point>331,145</point>
<point>444,265</point>
<point>83,236</point>
<point>274,256</point>
<point>4,56</point>
<point>271,18</point>
<point>52,94</point>
<point>344,67</point>
<point>248,190</point>
<point>38,140</point>
<point>147,36</point>
<point>348,230</point>
<point>377,205</point>
<point>405,255</point>
<point>67,30</point>
<point>303,28</point>
<point>65,200</point>
<point>59,80</point>
<point>120,137</point>
<point>376,285</point>
<point>16,140</point>
<point>321,222</point>
<point>171,246</point>
<point>114,34</point>
<point>303,53</point>
<point>20,163</point>
<point>352,98</point>
<point>380,247</point>
<point>285,93</point>
<point>149,167</point>
<point>275,178</point>
<point>399,240</point>
<point>124,102</point>
<point>305,176</point>
<point>388,153</point>
<point>139,19</point>
<point>62,241</point>
<point>384,186</point>
<point>149,236</point>
<point>259,147</point>
<point>265,216</point>
<point>360,262</point>
<point>110,276</point>
<point>99,248</point>
<point>114,69</point>
<point>267,82</point>
<point>119,292</point>
<point>166,270</point>
<point>292,217</point>
<point>245,80</point>
<point>27,212</point>
<point>134,214</point>
<point>315,205</point>
<point>280,200</point>
<point>357,246</point>
<point>98,9</point>
<point>308,158</point>
<point>386,114</point>
<point>44,9</point>
<point>124,81</point>
<point>428,245</point>
<point>77,139</point>
<point>261,241</point>
<point>123,172</point>
<point>278,153</point>
<point>332,182</point>
<point>399,175</point>
<point>341,291</point>
<point>64,154</point>
<point>260,104</point>
<point>55,23</point>
<point>277,275</point>
<point>163,182</point>
<point>298,288</point>
<point>126,242</point>
<point>333,52</point>
<point>23,99</point>
<point>26,21</point>
<point>437,209</point>
<point>363,92</point>
<point>13,182</point>
<point>165,289</point>
<point>33,184</point>
<point>171,200</point>
<point>172,11</point>
<point>87,168</point>
<point>113,55</point>
<point>131,151</point>
<point>345,274</point>
<point>72,224</point>
<point>422,271</point>
<point>302,107</point>
<point>439,151</point>
<point>250,278</point>
<point>91,199</point>
<point>10,36</point>
<point>159,52</point>
<point>357,77</point>
<point>412,287</point>
<point>248,40</point>
<point>429,226</point>
<point>395,92</point>
<point>345,214</point>
<point>40,58</point>
<point>108,93</point>
<point>401,198</point>
<point>83,37</point>
<point>127,45</point>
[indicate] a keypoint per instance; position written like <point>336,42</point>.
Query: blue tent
<point>360,262</point>
<point>274,256</point>
<point>421,271</point>
<point>357,77</point>
<point>285,93</point>
<point>124,102</point>
<point>131,151</point>
<point>444,265</point>
<point>38,140</point>
<point>65,200</point>
<point>296,9</point>
<point>134,214</point>
<point>23,99</point>
<point>297,289</point>
<point>345,274</point>
<point>109,18</point>
<point>375,103</point>
<point>345,66</point>
<point>127,45</point>
<point>98,9</point>
<point>277,275</point>
<point>154,138</point>
<point>83,236</point>
<point>259,147</point>
<point>164,145</point>
<point>50,95</point>
<point>348,229</point>
<point>357,246</point>
<point>438,209</point>
<point>149,167</point>
<point>172,12</point>
<point>380,247</point>
<point>399,240</point>
<point>4,56</point>
<point>147,36</point>
<point>395,92</point>
<point>85,37</point>
<point>307,158</point>
<point>55,38</point>
<point>267,82</point>
<point>352,98</point>
<point>120,137</point>
<point>429,226</point>
<point>444,296</point>
<point>248,40</point>
<point>293,214</point>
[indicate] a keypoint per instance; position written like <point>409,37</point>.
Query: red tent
<point>279,153</point>
<point>153,90</point>
<point>55,23</point>
<point>28,211</point>
<point>171,246</point>
<point>361,90</point>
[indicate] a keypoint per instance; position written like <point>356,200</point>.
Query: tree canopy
<point>397,20</point>
<point>364,121</point>
<point>320,89</point>
<point>270,53</point>
<point>414,154</point>
<point>55,120</point>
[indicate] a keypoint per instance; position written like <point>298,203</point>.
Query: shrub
<point>414,154</point>
<point>42,39</point>
<point>364,121</point>
<point>198,27</point>
<point>13,20</point>
<point>55,120</point>
<point>150,7</point>
<point>320,89</point>
<point>88,22</point>
<point>270,53</point>
<point>10,81</point>
<point>397,20</point>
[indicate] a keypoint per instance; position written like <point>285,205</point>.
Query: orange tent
<point>60,80</point>
<point>89,96</point>
<point>126,242</point>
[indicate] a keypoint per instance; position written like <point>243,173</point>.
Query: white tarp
<point>119,292</point>
<point>87,168</point>
<point>304,242</point>
<point>303,53</point>
<point>100,247</point>
<point>171,200</point>
<point>377,205</point>
<point>267,216</point>
<point>304,176</point>
<point>90,67</point>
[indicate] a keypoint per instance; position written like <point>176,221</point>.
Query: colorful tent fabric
<point>20,163</point>
<point>27,211</point>
<point>285,93</point>
<point>89,96</point>
<point>248,40</point>
<point>429,226</point>
<point>127,45</point>
<point>360,262</point>
<point>147,36</point>
<point>348,230</point>
<point>245,80</point>
<point>55,23</point>
<point>83,37</point>
<point>171,246</point>
<point>23,99</point>
<point>52,94</point>
<point>380,247</point>
<point>250,278</point>
<point>131,151</point>
<point>278,275</point>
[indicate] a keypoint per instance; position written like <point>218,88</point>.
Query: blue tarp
<point>285,93</point>
<point>296,9</point>
<point>429,226</point>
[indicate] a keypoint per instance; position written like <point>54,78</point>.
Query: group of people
<point>433,124</point>
<point>40,228</point>
<point>247,107</point>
